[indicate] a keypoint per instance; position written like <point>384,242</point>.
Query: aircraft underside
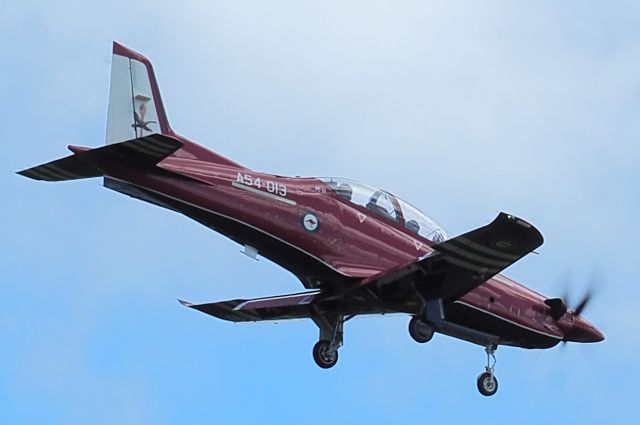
<point>313,274</point>
<point>331,306</point>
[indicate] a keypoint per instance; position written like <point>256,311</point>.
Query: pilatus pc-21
<point>356,249</point>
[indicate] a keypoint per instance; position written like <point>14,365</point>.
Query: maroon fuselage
<point>350,242</point>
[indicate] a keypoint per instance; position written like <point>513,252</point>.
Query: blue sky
<point>463,109</point>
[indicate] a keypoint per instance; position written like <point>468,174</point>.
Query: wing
<point>458,265</point>
<point>455,267</point>
<point>293,306</point>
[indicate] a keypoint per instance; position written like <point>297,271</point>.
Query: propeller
<point>558,307</point>
<point>596,280</point>
<point>584,302</point>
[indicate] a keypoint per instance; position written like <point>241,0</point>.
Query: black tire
<point>322,356</point>
<point>420,331</point>
<point>486,386</point>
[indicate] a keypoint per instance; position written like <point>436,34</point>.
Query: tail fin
<point>138,130</point>
<point>136,108</point>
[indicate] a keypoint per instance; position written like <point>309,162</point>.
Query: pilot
<point>438,237</point>
<point>378,209</point>
<point>345,190</point>
<point>413,226</point>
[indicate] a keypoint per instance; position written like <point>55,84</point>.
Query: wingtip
<point>28,174</point>
<point>525,224</point>
<point>77,149</point>
<point>185,303</point>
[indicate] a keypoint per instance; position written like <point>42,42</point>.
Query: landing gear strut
<point>325,351</point>
<point>487,382</point>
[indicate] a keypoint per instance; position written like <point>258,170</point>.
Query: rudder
<point>136,108</point>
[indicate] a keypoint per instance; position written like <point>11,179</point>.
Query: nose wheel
<point>487,382</point>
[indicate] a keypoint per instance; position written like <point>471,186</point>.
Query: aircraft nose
<point>597,335</point>
<point>583,331</point>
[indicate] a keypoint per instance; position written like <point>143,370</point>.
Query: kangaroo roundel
<point>310,222</point>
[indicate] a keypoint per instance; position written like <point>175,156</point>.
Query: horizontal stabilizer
<point>147,150</point>
<point>69,168</point>
<point>144,151</point>
<point>294,306</point>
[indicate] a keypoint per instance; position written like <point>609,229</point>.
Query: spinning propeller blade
<point>577,329</point>
<point>583,304</point>
<point>559,306</point>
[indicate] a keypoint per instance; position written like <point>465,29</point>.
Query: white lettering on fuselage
<point>270,185</point>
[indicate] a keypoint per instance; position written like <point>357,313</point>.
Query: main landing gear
<point>325,351</point>
<point>325,354</point>
<point>420,330</point>
<point>487,382</point>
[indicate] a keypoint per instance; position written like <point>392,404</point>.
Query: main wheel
<point>323,355</point>
<point>487,385</point>
<point>420,330</point>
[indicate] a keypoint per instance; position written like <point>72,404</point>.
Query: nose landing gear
<point>487,382</point>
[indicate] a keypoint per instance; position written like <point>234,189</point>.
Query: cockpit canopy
<point>388,206</point>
